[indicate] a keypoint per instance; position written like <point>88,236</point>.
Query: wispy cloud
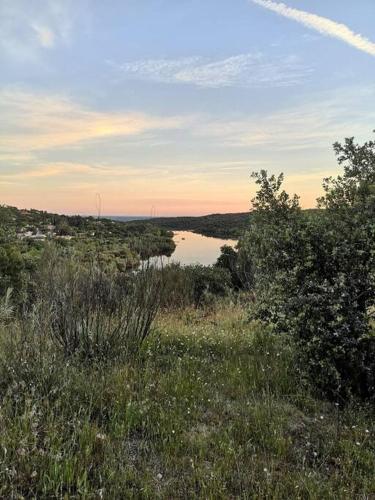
<point>321,24</point>
<point>243,70</point>
<point>49,170</point>
<point>27,28</point>
<point>70,171</point>
<point>313,124</point>
<point>32,122</point>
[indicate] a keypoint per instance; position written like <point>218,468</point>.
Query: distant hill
<point>226,226</point>
<point>126,218</point>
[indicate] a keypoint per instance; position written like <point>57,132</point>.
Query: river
<point>193,248</point>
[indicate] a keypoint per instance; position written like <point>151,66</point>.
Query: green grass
<point>212,408</point>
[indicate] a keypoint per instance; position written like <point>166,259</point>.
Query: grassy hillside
<point>211,408</point>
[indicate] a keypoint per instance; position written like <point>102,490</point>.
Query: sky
<point>165,107</point>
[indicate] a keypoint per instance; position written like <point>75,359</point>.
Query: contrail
<point>321,24</point>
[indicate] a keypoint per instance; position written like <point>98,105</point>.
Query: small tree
<point>229,259</point>
<point>314,273</point>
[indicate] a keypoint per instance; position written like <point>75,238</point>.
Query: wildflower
<point>159,476</point>
<point>100,437</point>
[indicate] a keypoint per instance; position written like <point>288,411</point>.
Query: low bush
<point>92,313</point>
<point>193,285</point>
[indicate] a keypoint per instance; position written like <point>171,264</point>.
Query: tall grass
<point>6,307</point>
<point>212,408</point>
<point>93,313</point>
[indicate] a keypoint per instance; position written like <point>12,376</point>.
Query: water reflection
<point>192,248</point>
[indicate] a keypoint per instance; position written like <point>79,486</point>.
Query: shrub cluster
<point>194,285</point>
<point>86,311</point>
<point>315,273</point>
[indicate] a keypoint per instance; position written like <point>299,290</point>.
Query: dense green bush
<point>11,268</point>
<point>236,261</point>
<point>314,274</point>
<point>194,285</point>
<point>208,282</point>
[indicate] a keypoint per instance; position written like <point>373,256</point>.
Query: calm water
<point>194,248</point>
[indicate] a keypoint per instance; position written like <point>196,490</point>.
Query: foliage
<point>92,313</point>
<point>6,307</point>
<point>11,268</point>
<point>227,226</point>
<point>117,244</point>
<point>208,282</point>
<point>62,228</point>
<point>211,409</point>
<point>194,285</point>
<point>239,265</point>
<point>314,276</point>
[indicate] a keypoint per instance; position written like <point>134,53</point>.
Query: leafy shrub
<point>193,285</point>
<point>208,282</point>
<point>239,266</point>
<point>177,287</point>
<point>315,274</point>
<point>11,268</point>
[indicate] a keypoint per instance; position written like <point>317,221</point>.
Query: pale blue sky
<point>173,103</point>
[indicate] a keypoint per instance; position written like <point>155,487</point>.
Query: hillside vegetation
<point>227,226</point>
<point>25,233</point>
<point>211,408</point>
<point>252,378</point>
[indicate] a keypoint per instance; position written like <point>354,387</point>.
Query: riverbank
<point>212,408</point>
